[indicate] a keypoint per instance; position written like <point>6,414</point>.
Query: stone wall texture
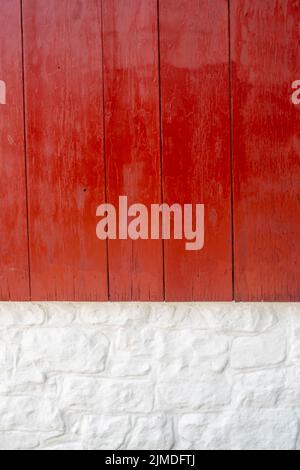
<point>149,376</point>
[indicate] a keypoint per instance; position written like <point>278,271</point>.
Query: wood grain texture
<point>196,142</point>
<point>14,273</point>
<point>64,97</point>
<point>133,139</point>
<point>266,148</point>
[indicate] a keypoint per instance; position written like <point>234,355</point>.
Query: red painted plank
<point>196,142</point>
<point>133,139</point>
<point>266,145</point>
<point>14,277</point>
<point>64,96</point>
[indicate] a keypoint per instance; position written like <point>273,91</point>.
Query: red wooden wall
<point>265,38</point>
<point>194,51</point>
<point>65,148</point>
<point>14,269</point>
<point>174,101</point>
<point>132,143</point>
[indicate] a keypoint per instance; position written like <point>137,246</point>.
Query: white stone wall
<point>149,376</point>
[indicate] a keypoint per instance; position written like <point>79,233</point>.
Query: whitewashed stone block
<point>259,351</point>
<point>29,414</point>
<point>240,318</point>
<point>102,432</point>
<point>151,433</point>
<point>105,395</point>
<point>64,349</point>
<point>20,314</point>
<point>209,391</point>
<point>18,441</point>
<point>243,430</point>
<point>271,388</point>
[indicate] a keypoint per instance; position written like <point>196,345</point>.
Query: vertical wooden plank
<point>196,142</point>
<point>133,139</point>
<point>64,96</point>
<point>14,274</point>
<point>266,146</point>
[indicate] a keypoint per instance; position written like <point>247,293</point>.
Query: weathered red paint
<point>14,274</point>
<point>196,142</point>
<point>132,139</point>
<point>266,149</point>
<point>64,112</point>
<point>131,97</point>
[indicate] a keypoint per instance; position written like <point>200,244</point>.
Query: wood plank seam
<point>104,143</point>
<point>25,145</point>
<point>161,141</point>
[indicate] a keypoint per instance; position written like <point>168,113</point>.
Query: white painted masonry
<point>149,376</point>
